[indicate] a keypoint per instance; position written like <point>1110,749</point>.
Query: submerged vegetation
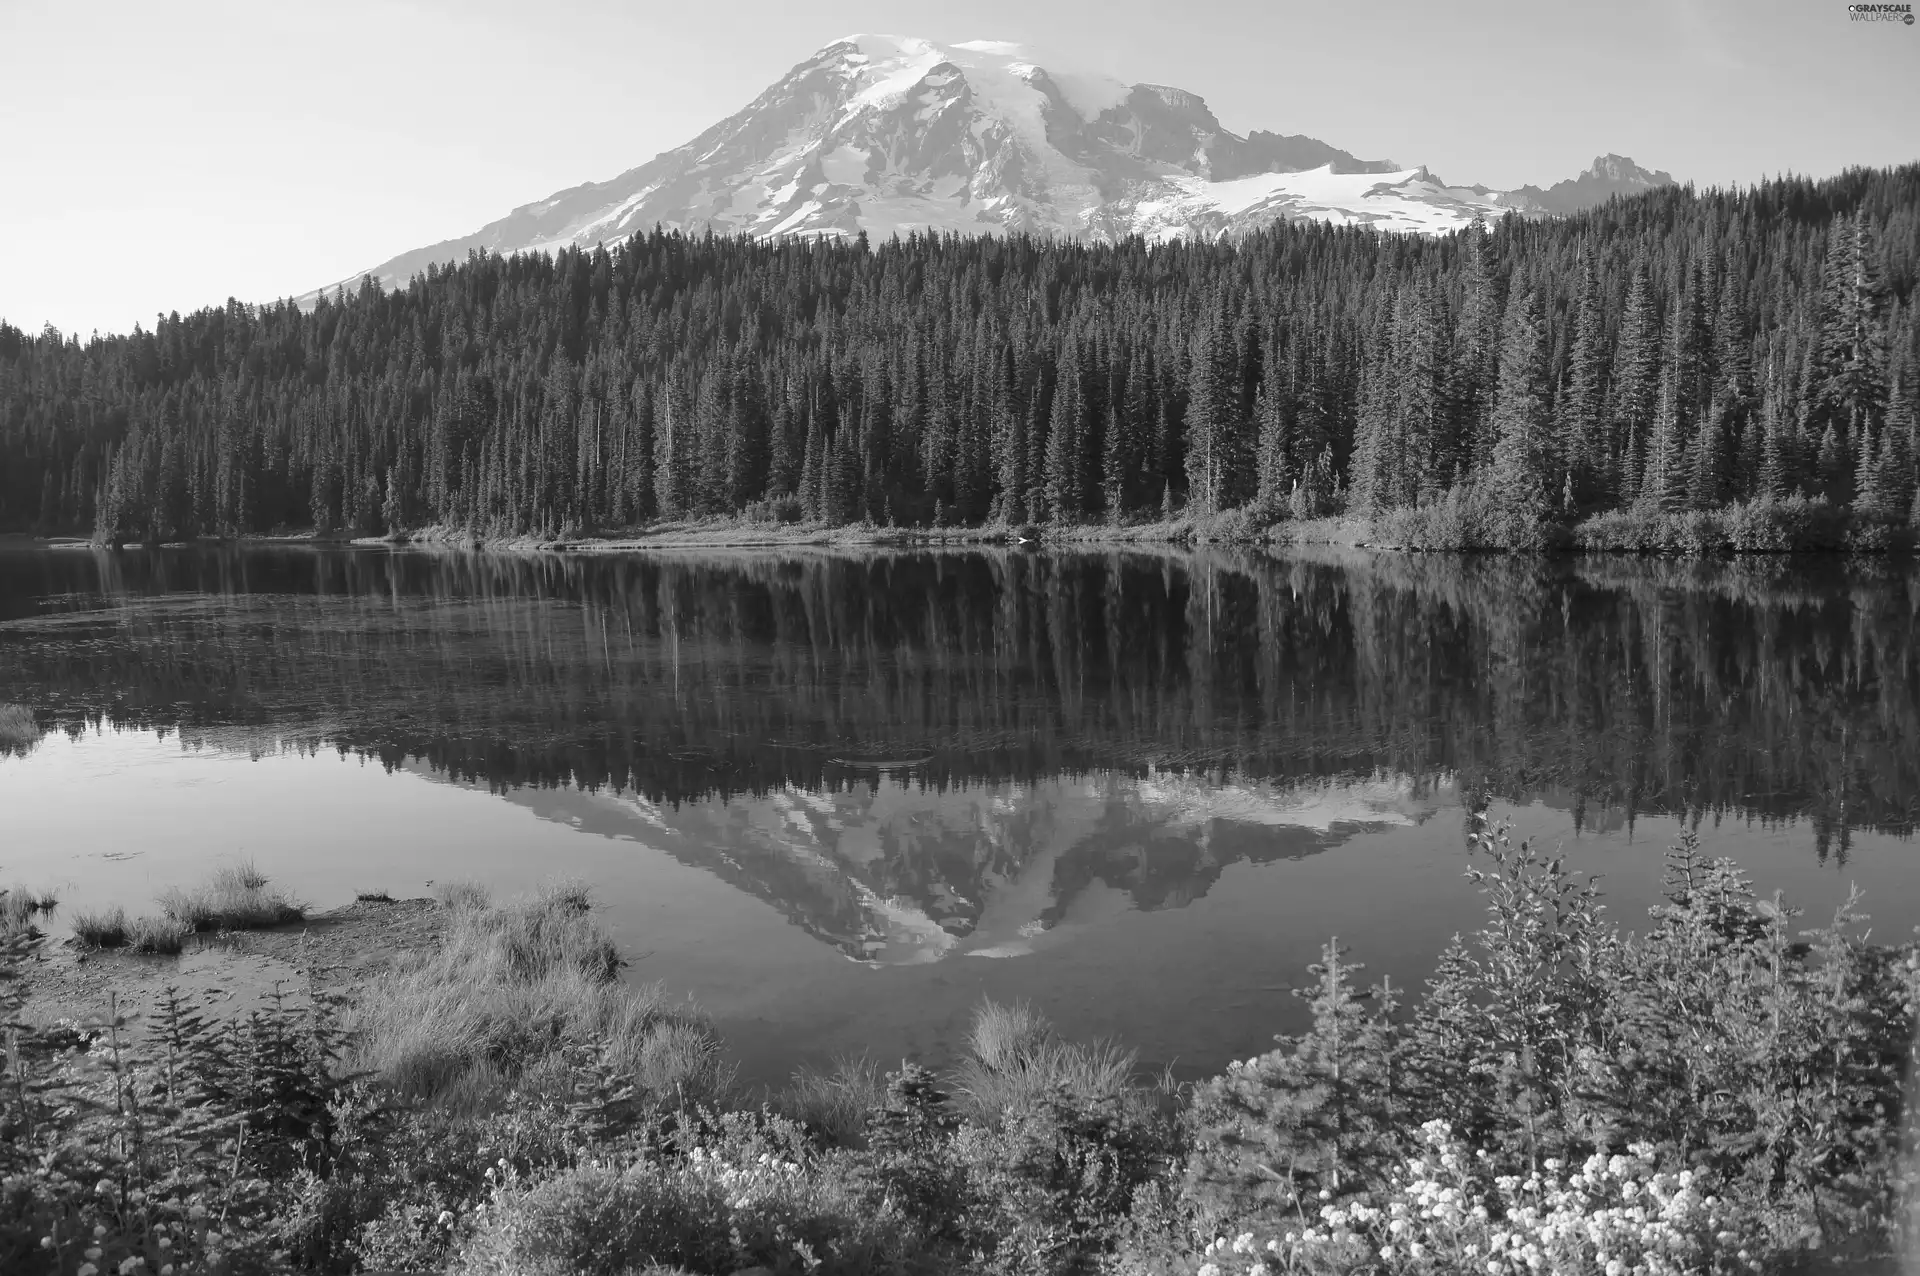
<point>1720,1092</point>
<point>19,907</point>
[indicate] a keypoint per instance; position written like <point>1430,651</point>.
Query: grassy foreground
<point>1721,1092</point>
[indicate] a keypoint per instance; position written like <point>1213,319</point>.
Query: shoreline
<point>332,951</point>
<point>1335,532</point>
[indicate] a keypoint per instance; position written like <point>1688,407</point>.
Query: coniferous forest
<point>1677,351</point>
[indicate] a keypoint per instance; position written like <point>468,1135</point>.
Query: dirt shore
<point>236,972</point>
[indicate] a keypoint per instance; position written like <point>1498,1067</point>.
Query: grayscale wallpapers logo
<point>1902,13</point>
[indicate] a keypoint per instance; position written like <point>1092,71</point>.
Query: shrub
<point>749,1193</point>
<point>1052,1187</point>
<point>1443,1210</point>
<point>775,509</point>
<point>121,1157</point>
<point>1765,525</point>
<point>1550,1038</point>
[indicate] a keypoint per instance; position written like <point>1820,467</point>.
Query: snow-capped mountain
<point>891,134</point>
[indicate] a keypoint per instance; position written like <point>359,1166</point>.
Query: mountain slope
<point>1610,175</point>
<point>890,135</point>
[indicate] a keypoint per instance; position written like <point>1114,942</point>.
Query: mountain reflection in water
<point>919,757</point>
<point>895,873</point>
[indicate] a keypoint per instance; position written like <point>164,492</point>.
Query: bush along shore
<point>1719,1092</point>
<point>1469,517</point>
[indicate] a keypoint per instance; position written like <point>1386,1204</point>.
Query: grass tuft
<point>235,898</point>
<point>104,929</point>
<point>17,910</point>
<point>835,1104</point>
<point>158,936</point>
<point>19,897</point>
<point>18,730</point>
<point>373,897</point>
<point>464,895</point>
<point>1014,1060</point>
<point>509,991</point>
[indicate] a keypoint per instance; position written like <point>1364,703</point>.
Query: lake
<point>839,797</point>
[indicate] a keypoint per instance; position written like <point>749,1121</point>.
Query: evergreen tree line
<point>1675,350</point>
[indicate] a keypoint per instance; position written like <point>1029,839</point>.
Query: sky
<point>162,157</point>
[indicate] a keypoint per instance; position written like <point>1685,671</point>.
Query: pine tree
<point>1835,468</point>
<point>1636,384</point>
<point>1582,408</point>
<point>1066,441</point>
<point>1780,461</point>
<point>1848,392</point>
<point>1314,1116</point>
<point>672,455</point>
<point>1523,461</point>
<point>1662,479</point>
<point>1214,427</point>
<point>1271,462</point>
<point>1420,396</point>
<point>1709,468</point>
<point>1476,360</point>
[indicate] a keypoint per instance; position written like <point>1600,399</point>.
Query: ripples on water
<point>1139,789</point>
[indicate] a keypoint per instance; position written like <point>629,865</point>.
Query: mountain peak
<point>1609,175</point>
<point>891,134</point>
<point>1619,168</point>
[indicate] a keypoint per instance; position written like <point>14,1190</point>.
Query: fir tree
<point>1582,408</point>
<point>1636,384</point>
<point>1523,461</point>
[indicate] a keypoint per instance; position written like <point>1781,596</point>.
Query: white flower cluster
<point>1613,1216</point>
<point>743,1182</point>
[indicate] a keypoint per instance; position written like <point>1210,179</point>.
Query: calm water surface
<point>838,798</point>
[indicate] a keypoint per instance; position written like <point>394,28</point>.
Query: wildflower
<point>197,1212</point>
<point>99,1230</point>
<point>87,1269</point>
<point>104,1187</point>
<point>213,1238</point>
<point>46,1242</point>
<point>166,1242</point>
<point>446,1217</point>
<point>1207,1269</point>
<point>1243,1243</point>
<point>132,1265</point>
<point>92,1253</point>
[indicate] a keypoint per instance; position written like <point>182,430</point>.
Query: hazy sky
<point>163,156</point>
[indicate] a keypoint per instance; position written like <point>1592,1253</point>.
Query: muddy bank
<point>239,971</point>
